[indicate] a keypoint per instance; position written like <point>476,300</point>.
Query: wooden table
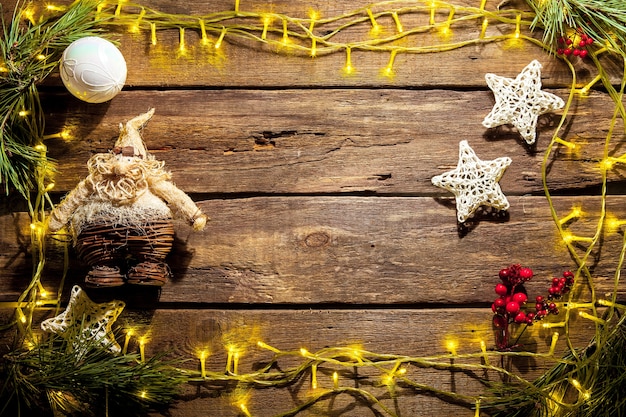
<point>326,229</point>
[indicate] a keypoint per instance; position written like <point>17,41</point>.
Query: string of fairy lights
<point>329,369</point>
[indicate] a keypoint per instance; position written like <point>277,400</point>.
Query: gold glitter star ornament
<point>520,101</point>
<point>84,322</point>
<point>474,182</point>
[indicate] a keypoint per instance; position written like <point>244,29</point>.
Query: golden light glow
<point>607,164</point>
<point>576,384</point>
<point>41,148</point>
<point>376,28</point>
<point>555,339</point>
<point>143,394</point>
<point>432,12</point>
<point>181,40</point>
<point>49,187</point>
<point>569,145</point>
<point>23,113</point>
<point>153,38</point>
<point>142,348</point>
<point>236,362</point>
<point>348,69</point>
<point>482,5</point>
<point>452,345</point>
<point>129,334</point>
<point>267,20</point>
<point>268,347</point>
<point>304,352</point>
<point>218,44</point>
<point>244,410</point>
<point>203,356</point>
<point>29,14</point>
<point>335,380</point>
<point>518,20</point>
<point>54,8</point>
<point>388,70</point>
<point>575,213</point>
<point>314,376</point>
<point>41,57</point>
<point>591,317</point>
<point>118,9</point>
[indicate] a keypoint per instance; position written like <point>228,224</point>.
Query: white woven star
<point>84,321</point>
<point>520,102</point>
<point>474,182</point>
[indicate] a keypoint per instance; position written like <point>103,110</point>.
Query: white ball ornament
<point>93,69</point>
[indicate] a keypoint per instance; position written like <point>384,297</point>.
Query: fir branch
<point>602,20</point>
<point>29,52</point>
<point>52,377</point>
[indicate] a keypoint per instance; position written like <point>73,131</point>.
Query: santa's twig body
<point>121,214</point>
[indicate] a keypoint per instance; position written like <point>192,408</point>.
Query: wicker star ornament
<point>474,182</point>
<point>520,101</point>
<point>85,322</point>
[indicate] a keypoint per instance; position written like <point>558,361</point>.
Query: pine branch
<point>29,52</point>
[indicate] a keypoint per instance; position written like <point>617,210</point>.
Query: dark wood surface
<point>326,229</point>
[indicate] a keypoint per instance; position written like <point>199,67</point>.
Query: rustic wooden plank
<point>250,63</point>
<point>415,333</point>
<point>328,141</point>
<point>402,332</point>
<point>311,250</point>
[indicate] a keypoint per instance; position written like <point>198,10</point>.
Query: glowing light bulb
<point>153,38</point>
<point>483,28</point>
<point>304,352</point>
<point>266,346</point>
<point>452,346</point>
<point>244,410</point>
<point>142,348</point>
<point>218,44</point>
<point>518,20</point>
<point>314,376</point>
<point>203,355</point>
<point>348,69</point>
<point>335,380</point>
<point>181,40</point>
<point>267,20</point>
<point>23,113</point>
<point>143,394</point>
<point>129,334</point>
<point>396,20</point>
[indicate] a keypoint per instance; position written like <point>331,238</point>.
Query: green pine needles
<point>30,50</point>
<point>54,377</point>
<point>602,20</point>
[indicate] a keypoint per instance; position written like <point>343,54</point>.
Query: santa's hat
<point>129,142</point>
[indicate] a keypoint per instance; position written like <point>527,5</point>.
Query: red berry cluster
<point>567,47</point>
<point>508,307</point>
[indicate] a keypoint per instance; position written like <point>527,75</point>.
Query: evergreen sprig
<point>602,20</point>
<point>53,377</point>
<point>30,50</point>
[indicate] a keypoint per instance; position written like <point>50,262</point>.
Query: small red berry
<point>568,51</point>
<point>520,298</point>
<point>539,299</point>
<point>576,52</point>
<point>559,51</point>
<point>589,41</point>
<point>568,41</point>
<point>512,307</point>
<point>499,303</point>
<point>501,289</point>
<point>529,321</point>
<point>584,37</point>
<point>530,315</point>
<point>583,53</point>
<point>526,273</point>
<point>551,306</point>
<point>504,274</point>
<point>581,44</point>
<point>539,306</point>
<point>520,317</point>
<point>568,274</point>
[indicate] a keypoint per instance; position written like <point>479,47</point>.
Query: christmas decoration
<point>121,214</point>
<point>520,101</point>
<point>30,50</point>
<point>86,321</point>
<point>93,69</point>
<point>474,182</point>
<point>508,307</point>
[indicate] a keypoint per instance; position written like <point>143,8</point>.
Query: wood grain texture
<point>328,141</point>
<point>358,250</point>
<point>326,229</point>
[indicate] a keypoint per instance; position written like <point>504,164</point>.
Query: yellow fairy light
<point>181,40</point>
<point>555,339</point>
<point>388,70</point>
<point>23,113</point>
<point>41,57</point>
<point>445,30</point>
<point>348,69</point>
<point>236,362</point>
<point>129,334</point>
<point>569,237</point>
<point>135,27</point>
<point>451,346</point>
<point>483,28</point>
<point>236,6</point>
<point>482,5</point>
<point>607,163</point>
<point>23,318</point>
<point>204,39</point>
<point>608,303</point>
<point>54,8</point>
<point>267,20</point>
<point>304,352</point>
<point>143,394</point>
<point>266,346</point>
<point>585,90</point>
<point>203,355</point>
<point>29,14</point>
<point>142,348</point>
<point>518,21</point>
<point>576,384</point>
<point>118,9</point>
<point>591,317</point>
<point>285,40</point>
<point>218,44</point>
<point>335,380</point>
<point>314,376</point>
<point>99,9</point>
<point>553,325</point>
<point>376,29</point>
<point>575,213</point>
<point>49,187</point>
<point>483,348</point>
<point>3,68</point>
<point>244,410</point>
<point>153,38</point>
<point>313,15</point>
<point>477,412</point>
<point>396,20</point>
<point>569,145</point>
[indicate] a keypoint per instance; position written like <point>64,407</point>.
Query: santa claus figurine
<point>121,214</point>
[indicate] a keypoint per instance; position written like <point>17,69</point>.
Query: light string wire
<point>390,366</point>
